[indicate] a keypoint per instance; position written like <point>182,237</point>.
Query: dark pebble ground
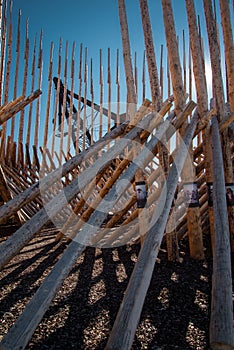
<point>175,314</point>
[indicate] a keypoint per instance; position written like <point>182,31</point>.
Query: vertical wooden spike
<point>64,103</point>
<point>9,57</point>
<point>109,92</point>
<point>131,90</point>
<point>215,57</point>
<point>173,55</point>
<point>101,95</point>
<point>28,137</point>
<point>48,97</point>
<point>118,88</point>
<point>229,57</point>
<point>37,122</point>
<point>161,74</point>
<point>229,49</point>
<point>143,77</point>
<point>150,55</point>
<point>184,63</point>
<point>3,50</point>
<point>79,100</point>
<point>70,130</point>
<point>7,79</point>
<point>57,97</point>
<point>135,72</point>
<point>2,68</point>
<point>16,74</point>
<point>190,79</point>
<point>26,59</point>
<point>92,101</point>
<point>168,79</point>
<point>85,98</point>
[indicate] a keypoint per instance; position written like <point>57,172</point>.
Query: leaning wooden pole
<point>125,325</point>
<point>229,48</point>
<point>217,83</point>
<point>150,55</point>
<point>221,321</point>
<point>173,56</point>
<point>131,91</point>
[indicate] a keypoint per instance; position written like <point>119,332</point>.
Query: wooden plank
<point>123,331</point>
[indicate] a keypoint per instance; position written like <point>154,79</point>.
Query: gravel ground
<point>175,314</point>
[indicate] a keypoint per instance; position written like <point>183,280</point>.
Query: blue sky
<point>95,24</point>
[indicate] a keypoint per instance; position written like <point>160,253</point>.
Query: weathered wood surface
<point>125,325</point>
<point>173,56</point>
<point>221,321</point>
<point>150,55</point>
<point>229,48</point>
<point>131,98</point>
<point>14,107</point>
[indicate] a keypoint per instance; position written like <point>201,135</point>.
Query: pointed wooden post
<point>37,121</point>
<point>150,55</point>
<point>48,97</point>
<point>131,91</point>
<point>16,74</point>
<point>28,137</point>
<point>229,48</point>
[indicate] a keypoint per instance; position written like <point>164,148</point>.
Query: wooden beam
<point>221,321</point>
<point>15,106</point>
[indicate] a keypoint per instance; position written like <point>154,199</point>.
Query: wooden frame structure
<point>62,180</point>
